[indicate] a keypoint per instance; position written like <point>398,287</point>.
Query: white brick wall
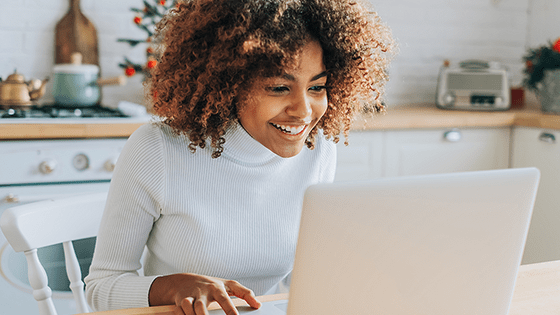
<point>27,33</point>
<point>543,22</point>
<point>428,32</point>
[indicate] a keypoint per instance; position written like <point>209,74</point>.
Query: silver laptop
<point>432,244</point>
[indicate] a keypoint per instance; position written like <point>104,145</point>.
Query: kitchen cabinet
<point>418,152</point>
<point>374,154</point>
<point>362,158</point>
<point>540,148</point>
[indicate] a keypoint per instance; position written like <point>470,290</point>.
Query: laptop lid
<point>431,244</point>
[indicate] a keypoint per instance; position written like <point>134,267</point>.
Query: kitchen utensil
<point>15,91</point>
<point>77,84</point>
<point>75,33</point>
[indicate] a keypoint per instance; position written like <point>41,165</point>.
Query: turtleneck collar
<point>242,147</point>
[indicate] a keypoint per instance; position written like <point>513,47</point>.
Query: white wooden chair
<point>39,224</point>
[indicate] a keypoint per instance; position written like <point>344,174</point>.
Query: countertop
<point>426,116</point>
<point>40,131</point>
<point>419,116</point>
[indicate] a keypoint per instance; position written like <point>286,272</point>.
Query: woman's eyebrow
<point>292,78</point>
<point>320,75</point>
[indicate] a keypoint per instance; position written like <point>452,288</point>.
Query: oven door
<point>15,292</point>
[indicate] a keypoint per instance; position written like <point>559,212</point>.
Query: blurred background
<point>428,32</point>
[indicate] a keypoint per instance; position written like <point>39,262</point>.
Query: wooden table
<point>168,309</point>
<point>537,292</point>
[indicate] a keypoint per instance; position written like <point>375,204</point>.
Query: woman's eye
<point>277,89</point>
<point>318,88</point>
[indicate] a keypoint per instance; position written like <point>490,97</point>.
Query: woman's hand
<point>193,293</point>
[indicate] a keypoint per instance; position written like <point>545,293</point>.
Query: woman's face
<point>281,111</point>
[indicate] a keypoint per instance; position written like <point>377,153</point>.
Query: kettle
<point>15,91</point>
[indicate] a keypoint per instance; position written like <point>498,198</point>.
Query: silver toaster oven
<point>473,85</point>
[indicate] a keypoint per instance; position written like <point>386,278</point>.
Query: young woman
<point>252,95</point>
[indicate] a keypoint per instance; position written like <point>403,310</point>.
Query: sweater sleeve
<point>133,204</point>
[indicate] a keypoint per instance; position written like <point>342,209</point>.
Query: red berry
<point>137,20</point>
<point>151,64</point>
<point>129,71</point>
<point>556,45</point>
<point>162,2</point>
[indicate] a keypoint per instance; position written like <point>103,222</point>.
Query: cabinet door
<point>535,147</point>
<point>362,158</point>
<point>417,152</point>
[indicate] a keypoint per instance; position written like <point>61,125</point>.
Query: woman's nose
<point>300,107</point>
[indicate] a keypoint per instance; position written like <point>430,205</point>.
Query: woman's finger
<point>225,302</point>
<point>238,290</point>
<point>187,305</point>
<point>200,306</point>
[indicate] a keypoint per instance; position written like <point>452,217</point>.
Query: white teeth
<point>293,130</point>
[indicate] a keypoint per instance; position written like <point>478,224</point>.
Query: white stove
<point>126,112</point>
<point>34,170</point>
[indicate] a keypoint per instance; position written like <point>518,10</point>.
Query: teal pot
<point>76,85</point>
<point>549,92</point>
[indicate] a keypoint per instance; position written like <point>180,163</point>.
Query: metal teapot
<point>15,91</point>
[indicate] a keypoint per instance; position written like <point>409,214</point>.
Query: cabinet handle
<point>547,137</point>
<point>452,135</point>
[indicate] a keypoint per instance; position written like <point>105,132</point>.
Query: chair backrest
<point>44,223</point>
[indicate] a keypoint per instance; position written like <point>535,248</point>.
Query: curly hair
<point>211,51</point>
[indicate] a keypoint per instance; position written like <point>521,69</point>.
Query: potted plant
<point>542,74</point>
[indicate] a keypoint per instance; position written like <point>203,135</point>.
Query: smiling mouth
<point>290,130</point>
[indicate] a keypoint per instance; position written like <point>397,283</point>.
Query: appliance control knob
<point>47,166</point>
<point>81,162</point>
<point>110,164</point>
<point>448,99</point>
<point>11,198</point>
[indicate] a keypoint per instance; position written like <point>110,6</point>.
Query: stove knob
<point>110,164</point>
<point>47,166</point>
<point>81,162</point>
<point>11,198</point>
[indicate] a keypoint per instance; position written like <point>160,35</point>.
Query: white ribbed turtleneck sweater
<point>234,217</point>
